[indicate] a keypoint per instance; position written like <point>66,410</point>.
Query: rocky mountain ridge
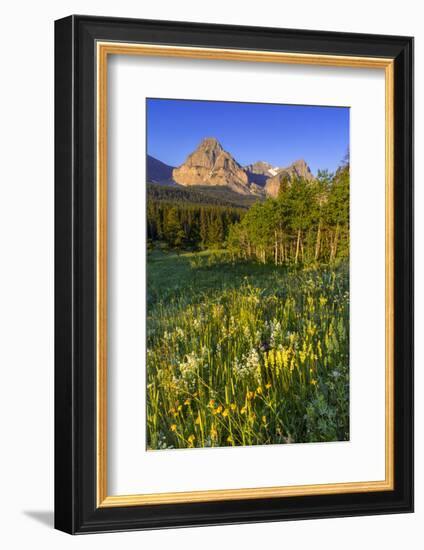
<point>298,169</point>
<point>210,165</point>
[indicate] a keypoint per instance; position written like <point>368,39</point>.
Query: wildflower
<point>252,360</point>
<point>268,386</point>
<point>189,368</point>
<point>250,394</point>
<point>230,439</point>
<point>311,329</point>
<point>198,419</point>
<point>174,427</point>
<point>189,365</point>
<point>264,419</point>
<point>214,433</point>
<point>282,357</point>
<point>179,332</point>
<point>233,406</point>
<point>292,337</point>
<point>243,410</point>
<point>225,412</point>
<point>187,401</point>
<point>191,439</point>
<point>211,403</point>
<point>275,331</point>
<point>259,390</point>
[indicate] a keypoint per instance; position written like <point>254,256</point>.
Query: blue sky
<point>278,134</point>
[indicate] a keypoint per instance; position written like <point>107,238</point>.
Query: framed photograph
<point>234,274</point>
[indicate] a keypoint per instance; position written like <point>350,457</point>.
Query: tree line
<point>190,226</point>
<point>308,222</point>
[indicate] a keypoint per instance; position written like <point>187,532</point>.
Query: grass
<point>245,354</point>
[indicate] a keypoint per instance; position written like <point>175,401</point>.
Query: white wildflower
<point>248,366</point>
<point>275,329</point>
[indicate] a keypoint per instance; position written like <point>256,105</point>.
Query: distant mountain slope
<point>159,172</point>
<point>213,195</point>
<point>260,171</point>
<point>258,179</point>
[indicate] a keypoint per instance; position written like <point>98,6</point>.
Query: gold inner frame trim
<point>104,49</point>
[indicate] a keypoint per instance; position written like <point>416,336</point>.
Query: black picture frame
<point>76,510</point>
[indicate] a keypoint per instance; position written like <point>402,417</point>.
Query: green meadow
<point>245,352</point>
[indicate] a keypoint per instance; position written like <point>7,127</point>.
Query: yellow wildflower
<point>230,439</point>
<point>174,427</point>
<point>187,402</point>
<point>225,412</point>
<point>259,390</point>
<point>191,439</point>
<point>198,419</point>
<point>283,357</point>
<point>233,406</point>
<point>268,386</point>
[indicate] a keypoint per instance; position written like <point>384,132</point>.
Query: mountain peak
<point>209,143</point>
<point>301,169</point>
<point>297,169</point>
<point>299,162</point>
<point>209,164</point>
<point>259,167</point>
